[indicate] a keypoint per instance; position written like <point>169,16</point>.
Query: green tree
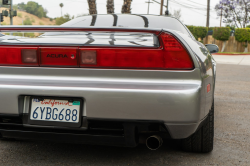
<point>33,8</point>
<point>61,20</point>
<point>61,5</point>
<point>198,31</point>
<point>242,34</point>
<point>232,27</point>
<point>221,33</point>
<point>27,21</point>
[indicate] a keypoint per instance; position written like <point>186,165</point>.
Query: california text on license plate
<point>55,110</point>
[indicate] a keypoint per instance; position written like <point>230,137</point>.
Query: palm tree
<point>92,7</point>
<point>61,5</point>
<point>126,6</point>
<point>110,6</point>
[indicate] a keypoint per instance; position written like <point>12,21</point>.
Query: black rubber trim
<point>145,19</point>
<point>115,19</point>
<point>66,137</point>
<point>10,115</point>
<point>93,20</point>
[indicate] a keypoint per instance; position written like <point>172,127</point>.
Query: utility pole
<point>148,5</point>
<point>208,12</point>
<point>220,17</point>
<point>11,12</point>
<point>0,15</point>
<point>167,12</point>
<point>162,2</point>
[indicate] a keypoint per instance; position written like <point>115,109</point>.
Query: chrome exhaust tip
<point>154,142</point>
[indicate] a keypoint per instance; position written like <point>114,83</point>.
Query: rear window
<point>123,20</point>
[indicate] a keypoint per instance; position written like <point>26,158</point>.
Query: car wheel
<point>202,140</point>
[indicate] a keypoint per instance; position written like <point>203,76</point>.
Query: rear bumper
<point>169,102</point>
<point>67,137</point>
<point>175,102</point>
<point>100,132</point>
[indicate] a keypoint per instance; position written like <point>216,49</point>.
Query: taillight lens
<point>175,55</point>
<point>18,56</point>
<point>29,55</point>
<point>172,55</point>
<point>122,58</point>
<point>88,57</point>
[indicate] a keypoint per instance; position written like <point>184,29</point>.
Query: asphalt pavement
<point>231,143</point>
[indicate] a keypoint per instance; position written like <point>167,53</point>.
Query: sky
<point>193,11</point>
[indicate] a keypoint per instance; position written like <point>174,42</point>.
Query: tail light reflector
<point>88,57</point>
<point>29,56</point>
<point>175,55</point>
<point>18,56</point>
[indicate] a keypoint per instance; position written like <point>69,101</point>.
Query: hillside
<point>21,16</point>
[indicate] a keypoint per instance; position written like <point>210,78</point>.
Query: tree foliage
<point>62,20</point>
<point>198,31</point>
<point>242,34</point>
<point>211,28</point>
<point>192,29</point>
<point>33,8</point>
<point>221,33</point>
<point>177,14</point>
<point>61,5</point>
<point>27,21</point>
<point>235,12</point>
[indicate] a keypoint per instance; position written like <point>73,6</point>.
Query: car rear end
<point>147,82</point>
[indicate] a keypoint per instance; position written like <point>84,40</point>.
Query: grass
<point>19,15</point>
<point>234,52</point>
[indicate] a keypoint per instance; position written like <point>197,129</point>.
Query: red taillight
<point>59,56</point>
<point>172,55</point>
<point>124,58</point>
<point>175,55</point>
<point>18,56</point>
<point>170,43</point>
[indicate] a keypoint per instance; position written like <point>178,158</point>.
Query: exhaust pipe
<point>154,142</point>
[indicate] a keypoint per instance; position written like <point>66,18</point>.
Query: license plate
<point>55,110</point>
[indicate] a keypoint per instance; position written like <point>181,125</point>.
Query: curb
<point>230,54</point>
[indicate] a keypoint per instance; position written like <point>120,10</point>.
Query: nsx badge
<point>57,56</point>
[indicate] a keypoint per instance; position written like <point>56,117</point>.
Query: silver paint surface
<point>177,98</point>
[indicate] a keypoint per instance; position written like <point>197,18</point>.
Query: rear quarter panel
<point>207,67</point>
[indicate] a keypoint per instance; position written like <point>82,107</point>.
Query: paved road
<point>232,137</point>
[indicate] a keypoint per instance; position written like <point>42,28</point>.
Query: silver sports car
<point>113,79</point>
